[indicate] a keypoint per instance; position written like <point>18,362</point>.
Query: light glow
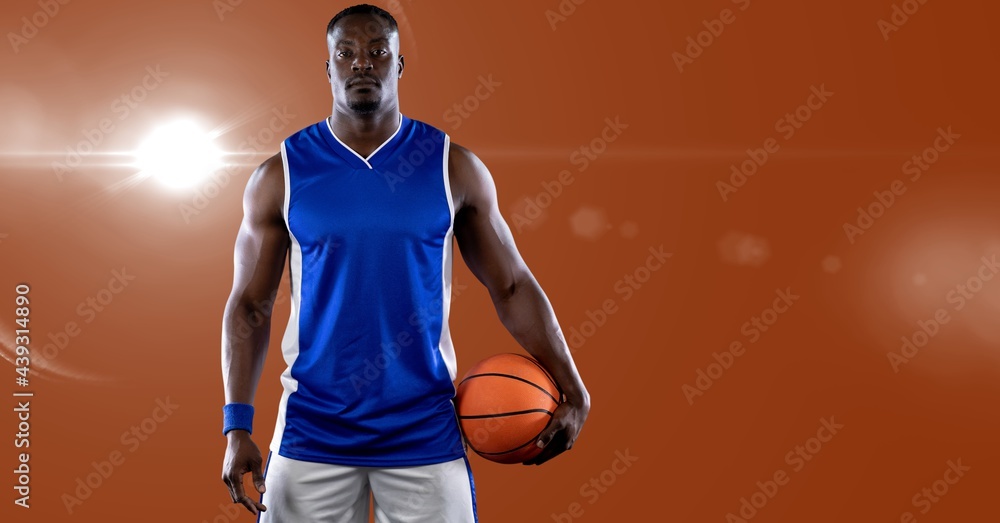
<point>178,154</point>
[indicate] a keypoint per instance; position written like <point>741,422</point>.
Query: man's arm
<point>246,325</point>
<point>488,249</point>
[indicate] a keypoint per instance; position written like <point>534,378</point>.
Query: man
<point>366,204</point>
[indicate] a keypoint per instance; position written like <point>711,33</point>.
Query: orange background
<point>654,185</point>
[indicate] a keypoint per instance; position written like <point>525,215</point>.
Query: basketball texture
<point>504,402</point>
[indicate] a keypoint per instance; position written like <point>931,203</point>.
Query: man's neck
<point>365,133</point>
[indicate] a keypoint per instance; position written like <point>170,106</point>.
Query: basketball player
<point>366,203</point>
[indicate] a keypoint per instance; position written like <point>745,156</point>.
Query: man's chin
<point>364,107</point>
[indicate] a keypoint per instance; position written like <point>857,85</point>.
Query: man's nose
<point>361,63</point>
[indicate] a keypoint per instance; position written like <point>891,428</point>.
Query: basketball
<point>504,402</point>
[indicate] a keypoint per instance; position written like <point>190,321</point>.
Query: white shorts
<point>308,492</point>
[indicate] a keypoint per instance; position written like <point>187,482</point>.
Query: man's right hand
<point>242,456</point>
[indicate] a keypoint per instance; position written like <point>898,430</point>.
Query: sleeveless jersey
<point>370,362</point>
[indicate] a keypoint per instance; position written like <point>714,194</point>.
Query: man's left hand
<point>561,432</point>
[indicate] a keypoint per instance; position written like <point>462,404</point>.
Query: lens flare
<point>178,154</point>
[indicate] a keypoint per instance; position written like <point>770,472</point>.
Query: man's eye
<point>344,53</point>
<point>380,51</point>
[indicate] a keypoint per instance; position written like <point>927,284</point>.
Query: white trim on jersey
<point>290,341</point>
<point>377,149</point>
<point>445,345</point>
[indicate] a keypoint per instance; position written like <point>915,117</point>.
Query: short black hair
<point>363,9</point>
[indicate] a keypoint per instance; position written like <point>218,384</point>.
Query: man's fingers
<point>229,488</point>
<point>555,446</point>
<point>258,478</point>
<point>242,456</point>
<point>236,487</point>
<point>236,492</point>
<point>556,425</point>
<point>546,436</point>
<point>248,503</point>
<point>546,454</point>
<point>559,435</point>
<point>253,506</point>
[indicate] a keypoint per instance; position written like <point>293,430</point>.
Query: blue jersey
<point>371,367</point>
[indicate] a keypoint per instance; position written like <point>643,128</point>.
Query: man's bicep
<point>262,240</point>
<point>484,239</point>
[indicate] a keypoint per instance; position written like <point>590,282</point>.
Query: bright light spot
<point>739,248</point>
<point>179,154</point>
<point>629,229</point>
<point>589,222</point>
<point>832,264</point>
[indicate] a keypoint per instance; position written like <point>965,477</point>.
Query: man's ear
<point>400,68</point>
<point>329,75</point>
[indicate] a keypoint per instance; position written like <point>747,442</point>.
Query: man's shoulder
<point>264,194</point>
<point>272,167</point>
<point>471,180</point>
<point>268,178</point>
<point>462,159</point>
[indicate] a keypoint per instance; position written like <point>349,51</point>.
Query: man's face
<point>364,66</point>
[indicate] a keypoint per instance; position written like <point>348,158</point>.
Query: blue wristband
<point>237,416</point>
